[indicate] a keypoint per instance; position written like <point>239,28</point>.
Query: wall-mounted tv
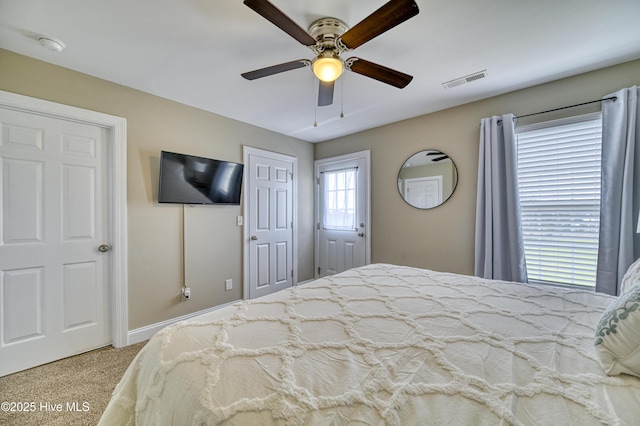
<point>187,179</point>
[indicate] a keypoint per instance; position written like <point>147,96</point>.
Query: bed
<point>384,344</point>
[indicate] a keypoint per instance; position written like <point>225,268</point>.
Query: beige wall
<point>155,230</point>
<point>443,238</point>
<point>439,238</point>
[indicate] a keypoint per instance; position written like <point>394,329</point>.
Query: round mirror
<point>427,179</point>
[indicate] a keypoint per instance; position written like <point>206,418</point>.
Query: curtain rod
<point>612,98</point>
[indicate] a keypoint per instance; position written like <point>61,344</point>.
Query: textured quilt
<point>383,345</point>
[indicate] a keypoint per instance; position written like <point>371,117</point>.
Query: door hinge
<point>318,270</point>
<point>318,225</point>
<point>317,181</point>
<point>292,273</point>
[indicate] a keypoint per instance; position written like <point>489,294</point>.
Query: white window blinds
<point>559,183</point>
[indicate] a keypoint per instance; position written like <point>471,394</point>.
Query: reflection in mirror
<point>427,179</point>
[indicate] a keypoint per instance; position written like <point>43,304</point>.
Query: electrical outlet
<point>186,293</point>
<point>228,284</point>
<point>239,220</point>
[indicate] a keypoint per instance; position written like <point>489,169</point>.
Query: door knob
<point>104,248</point>
<point>361,234</point>
<point>253,237</point>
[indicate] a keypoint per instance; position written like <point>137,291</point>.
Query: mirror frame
<point>447,190</point>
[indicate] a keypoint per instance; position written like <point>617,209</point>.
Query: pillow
<point>631,277</point>
<point>618,335</point>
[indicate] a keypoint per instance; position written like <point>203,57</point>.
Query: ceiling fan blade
<point>388,16</point>
<point>280,20</point>
<point>379,72</point>
<point>325,93</point>
<point>441,156</point>
<point>276,69</point>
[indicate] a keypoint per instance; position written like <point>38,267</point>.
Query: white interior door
<point>342,213</point>
<point>53,278</point>
<point>269,233</point>
<point>425,192</point>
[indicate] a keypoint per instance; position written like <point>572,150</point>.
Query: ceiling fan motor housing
<point>326,31</point>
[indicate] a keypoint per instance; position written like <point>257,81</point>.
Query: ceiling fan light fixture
<point>328,68</point>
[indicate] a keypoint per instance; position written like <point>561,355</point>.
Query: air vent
<point>467,79</point>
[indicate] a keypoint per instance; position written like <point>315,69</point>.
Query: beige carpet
<point>80,387</point>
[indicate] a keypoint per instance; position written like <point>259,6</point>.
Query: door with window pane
<point>342,200</point>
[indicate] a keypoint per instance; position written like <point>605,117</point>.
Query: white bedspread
<point>382,344</point>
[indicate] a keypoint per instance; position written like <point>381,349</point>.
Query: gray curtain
<point>619,244</point>
<point>499,247</point>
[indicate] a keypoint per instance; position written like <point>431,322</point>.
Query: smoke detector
<point>51,43</point>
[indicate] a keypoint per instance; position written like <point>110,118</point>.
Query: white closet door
<point>270,223</point>
<point>53,284</point>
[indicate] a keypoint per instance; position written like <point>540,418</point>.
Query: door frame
<point>366,155</point>
<point>248,151</point>
<point>116,129</point>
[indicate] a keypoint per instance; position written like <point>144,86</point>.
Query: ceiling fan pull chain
<point>341,98</point>
<point>315,107</point>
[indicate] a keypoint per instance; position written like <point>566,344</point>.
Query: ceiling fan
<point>329,37</point>
<point>441,156</point>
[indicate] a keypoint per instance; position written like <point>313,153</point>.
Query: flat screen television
<point>187,179</point>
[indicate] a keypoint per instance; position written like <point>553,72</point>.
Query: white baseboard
<point>145,333</point>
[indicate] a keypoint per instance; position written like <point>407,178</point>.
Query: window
<point>559,182</point>
<point>340,199</point>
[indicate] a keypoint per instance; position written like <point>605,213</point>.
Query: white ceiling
<point>193,52</point>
